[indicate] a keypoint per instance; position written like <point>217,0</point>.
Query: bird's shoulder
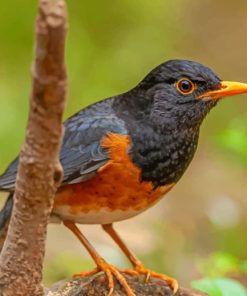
<point>91,123</point>
<point>82,152</point>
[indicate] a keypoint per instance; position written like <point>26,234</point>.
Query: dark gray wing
<point>81,153</point>
<point>7,180</point>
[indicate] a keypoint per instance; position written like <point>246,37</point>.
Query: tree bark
<point>39,172</point>
<point>97,285</point>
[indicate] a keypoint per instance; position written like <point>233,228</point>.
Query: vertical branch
<point>39,171</point>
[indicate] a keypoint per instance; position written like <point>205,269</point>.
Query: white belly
<point>103,216</point>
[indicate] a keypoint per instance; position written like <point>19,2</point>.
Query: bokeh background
<point>201,224</point>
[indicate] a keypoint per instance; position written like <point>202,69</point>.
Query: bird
<point>121,155</point>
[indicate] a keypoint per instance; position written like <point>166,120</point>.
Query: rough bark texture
<point>97,286</point>
<point>39,172</point>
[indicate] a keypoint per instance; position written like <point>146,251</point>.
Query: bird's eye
<point>185,86</point>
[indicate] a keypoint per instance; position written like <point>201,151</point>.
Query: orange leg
<point>138,266</point>
<point>102,265</point>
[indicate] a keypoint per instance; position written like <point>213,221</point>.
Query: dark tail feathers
<point>5,214</point>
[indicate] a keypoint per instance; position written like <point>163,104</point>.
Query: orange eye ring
<point>185,86</point>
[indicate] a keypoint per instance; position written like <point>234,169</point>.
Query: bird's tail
<point>5,214</point>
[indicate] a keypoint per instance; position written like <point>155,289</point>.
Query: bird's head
<point>182,93</point>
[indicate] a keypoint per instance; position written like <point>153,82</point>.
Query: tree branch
<point>97,285</point>
<point>39,171</point>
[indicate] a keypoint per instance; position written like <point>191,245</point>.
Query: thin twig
<point>39,171</point>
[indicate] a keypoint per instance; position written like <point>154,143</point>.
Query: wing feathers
<point>82,154</point>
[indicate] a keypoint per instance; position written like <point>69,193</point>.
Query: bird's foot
<point>141,270</point>
<point>110,272</point>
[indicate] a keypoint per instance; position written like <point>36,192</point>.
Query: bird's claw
<point>110,271</point>
<point>141,270</point>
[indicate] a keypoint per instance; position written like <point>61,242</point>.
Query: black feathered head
<point>180,93</point>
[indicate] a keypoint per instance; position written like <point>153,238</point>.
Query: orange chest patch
<point>116,186</point>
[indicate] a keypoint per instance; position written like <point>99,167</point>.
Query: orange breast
<point>116,186</point>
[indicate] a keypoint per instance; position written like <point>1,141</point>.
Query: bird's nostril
<point>222,86</point>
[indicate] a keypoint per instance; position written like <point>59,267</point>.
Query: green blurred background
<point>111,46</point>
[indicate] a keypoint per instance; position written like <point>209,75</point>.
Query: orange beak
<point>227,88</point>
